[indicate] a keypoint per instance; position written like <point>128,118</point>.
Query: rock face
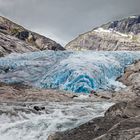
<point>127,25</point>
<point>118,35</point>
<point>10,44</point>
<point>121,122</point>
<point>15,38</point>
<point>131,75</point>
<point>131,78</point>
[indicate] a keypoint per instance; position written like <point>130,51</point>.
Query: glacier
<point>79,72</point>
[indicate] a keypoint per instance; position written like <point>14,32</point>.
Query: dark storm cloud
<point>62,20</point>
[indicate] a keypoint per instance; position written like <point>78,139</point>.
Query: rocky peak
<point>127,25</point>
<point>122,34</point>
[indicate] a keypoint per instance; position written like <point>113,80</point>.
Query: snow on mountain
<point>119,35</point>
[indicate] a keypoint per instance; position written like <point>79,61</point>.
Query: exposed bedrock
<point>15,38</point>
<point>120,35</point>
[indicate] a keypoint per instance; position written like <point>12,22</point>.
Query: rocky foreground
<point>120,122</point>
<point>29,113</point>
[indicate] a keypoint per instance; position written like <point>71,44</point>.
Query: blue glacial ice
<point>73,71</point>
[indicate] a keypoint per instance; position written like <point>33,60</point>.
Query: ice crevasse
<point>81,71</point>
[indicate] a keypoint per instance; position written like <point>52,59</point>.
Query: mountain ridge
<point>14,37</point>
<point>110,36</point>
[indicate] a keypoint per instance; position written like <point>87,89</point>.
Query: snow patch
<point>111,31</point>
<point>99,30</point>
<point>133,16</point>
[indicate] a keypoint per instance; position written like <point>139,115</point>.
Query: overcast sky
<point>63,20</point>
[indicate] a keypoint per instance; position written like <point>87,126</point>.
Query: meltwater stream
<point>20,122</point>
<point>73,71</point>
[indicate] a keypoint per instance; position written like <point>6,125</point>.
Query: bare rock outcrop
<point>130,78</point>
<point>15,38</point>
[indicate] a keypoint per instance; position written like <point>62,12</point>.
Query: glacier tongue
<point>73,71</point>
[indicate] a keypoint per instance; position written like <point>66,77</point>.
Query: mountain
<point>15,38</point>
<point>122,34</point>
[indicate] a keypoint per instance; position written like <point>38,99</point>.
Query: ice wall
<point>73,71</point>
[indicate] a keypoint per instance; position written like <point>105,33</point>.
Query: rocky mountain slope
<point>118,35</point>
<point>15,38</point>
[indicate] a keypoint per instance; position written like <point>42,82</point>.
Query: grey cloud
<point>63,20</point>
